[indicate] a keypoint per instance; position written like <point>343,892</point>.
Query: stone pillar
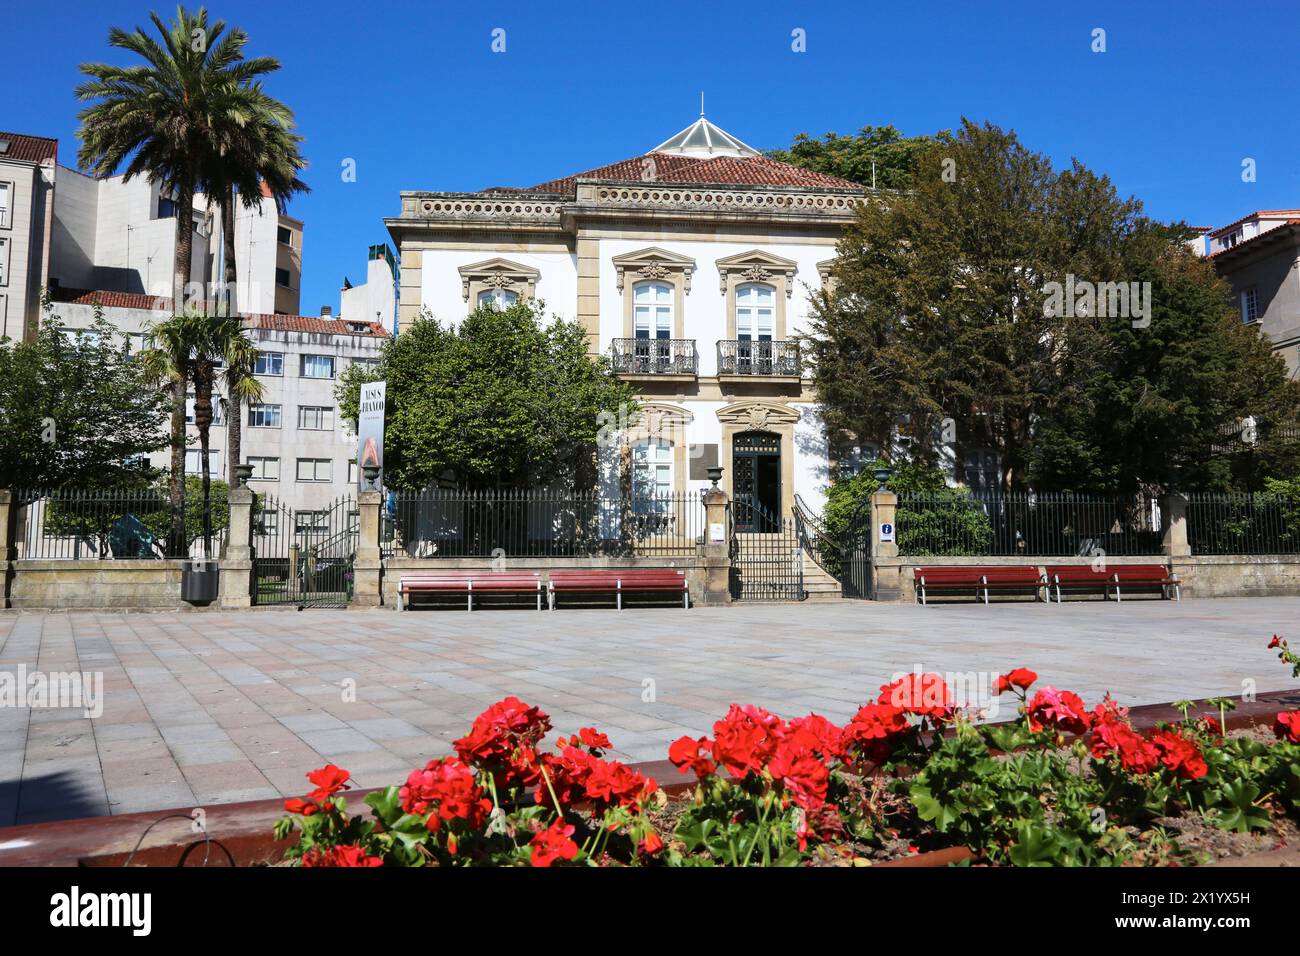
<point>237,579</point>
<point>1173,510</point>
<point>715,553</point>
<point>886,572</point>
<point>8,539</point>
<point>367,567</point>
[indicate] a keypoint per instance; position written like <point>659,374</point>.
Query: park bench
<point>468,583</point>
<point>620,581</point>
<point>1116,577</point>
<point>979,580</point>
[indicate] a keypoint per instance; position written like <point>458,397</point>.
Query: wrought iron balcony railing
<point>655,356</point>
<point>747,357</point>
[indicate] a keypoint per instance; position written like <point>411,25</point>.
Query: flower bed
<point>910,772</point>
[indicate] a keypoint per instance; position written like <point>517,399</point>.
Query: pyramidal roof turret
<point>706,141</point>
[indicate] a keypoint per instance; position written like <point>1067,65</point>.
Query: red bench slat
<point>470,583</point>
<point>618,580</point>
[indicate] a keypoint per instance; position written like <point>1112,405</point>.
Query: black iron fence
<point>107,524</point>
<point>509,523</point>
<point>956,522</point>
<point>758,357</point>
<point>654,356</point>
<point>1243,524</point>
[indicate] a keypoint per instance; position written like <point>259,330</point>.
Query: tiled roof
<point>29,149</point>
<point>111,300</point>
<point>719,171</point>
<point>1271,213</point>
<point>1273,233</point>
<point>261,320</point>
<point>314,323</point>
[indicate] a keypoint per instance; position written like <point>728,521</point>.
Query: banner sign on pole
<point>370,432</point>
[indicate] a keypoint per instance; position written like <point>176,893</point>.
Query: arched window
<point>652,310</point>
<point>755,312</point>
<point>497,298</point>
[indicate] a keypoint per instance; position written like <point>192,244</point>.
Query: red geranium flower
<point>553,844</point>
<point>345,855</point>
<point>1112,735</point>
<point>1058,709</point>
<point>1021,677</point>
<point>745,739</point>
<point>1286,725</point>
<point>688,753</point>
<point>816,733</point>
<point>445,790</point>
<point>652,843</point>
<point>1179,755</point>
<point>871,731</point>
<point>1276,642</point>
<point>304,808</point>
<point>329,780</point>
<point>802,775</point>
<point>593,738</point>
<point>925,695</point>
<point>503,741</point>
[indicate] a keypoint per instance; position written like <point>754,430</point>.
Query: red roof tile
<point>30,149</point>
<point>313,323</point>
<point>111,300</point>
<point>1255,215</point>
<point>720,171</point>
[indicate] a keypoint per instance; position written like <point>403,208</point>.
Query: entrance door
<point>756,481</point>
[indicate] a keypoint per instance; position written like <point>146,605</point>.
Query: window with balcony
<point>755,312</point>
<point>652,310</point>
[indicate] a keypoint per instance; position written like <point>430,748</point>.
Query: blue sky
<point>414,94</point>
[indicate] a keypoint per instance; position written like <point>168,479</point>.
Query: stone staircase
<point>767,558</point>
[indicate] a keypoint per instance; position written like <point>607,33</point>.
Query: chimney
<point>326,311</point>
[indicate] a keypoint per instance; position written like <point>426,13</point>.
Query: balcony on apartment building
<point>751,359</point>
<point>658,359</point>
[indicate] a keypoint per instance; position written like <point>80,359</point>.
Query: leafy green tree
<point>76,410</point>
<point>877,156</point>
<point>938,335</point>
<point>502,400</point>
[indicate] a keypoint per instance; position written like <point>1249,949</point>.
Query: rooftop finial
<point>701,102</point>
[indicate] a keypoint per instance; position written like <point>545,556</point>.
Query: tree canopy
<point>942,330</point>
<point>852,157</point>
<point>503,399</point>
<point>76,409</point>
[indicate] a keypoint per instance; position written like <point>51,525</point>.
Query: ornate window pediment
<point>498,274</point>
<point>757,416</point>
<point>825,269</point>
<point>654,263</point>
<point>756,266</point>
<point>659,420</point>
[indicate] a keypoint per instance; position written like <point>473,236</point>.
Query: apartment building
<point>27,173</point>
<point>1259,256</point>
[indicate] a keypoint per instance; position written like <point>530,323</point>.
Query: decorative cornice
<point>654,418</point>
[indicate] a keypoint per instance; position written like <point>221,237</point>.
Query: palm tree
<point>160,119</point>
<point>186,349</point>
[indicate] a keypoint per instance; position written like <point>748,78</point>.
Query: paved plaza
<point>205,707</point>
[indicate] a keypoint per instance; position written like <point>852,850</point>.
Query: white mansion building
<point>691,267</point>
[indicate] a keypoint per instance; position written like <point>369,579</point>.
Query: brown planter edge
<point>240,833</point>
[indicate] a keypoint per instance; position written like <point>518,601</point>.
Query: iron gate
<point>766,565</point>
<point>304,557</point>
<point>844,555</point>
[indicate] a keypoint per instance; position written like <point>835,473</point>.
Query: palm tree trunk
<point>234,421</point>
<point>203,421</point>
<point>184,248</point>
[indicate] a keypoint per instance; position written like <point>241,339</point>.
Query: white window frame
<point>262,466</point>
<point>750,309</point>
<point>1250,305</point>
<point>315,464</point>
<point>6,207</point>
<point>4,260</point>
<point>218,409</point>
<point>652,310</point>
<point>303,364</point>
<point>214,461</point>
<point>499,299</point>
<point>269,358</point>
<point>324,414</point>
<point>266,409</point>
<point>653,468</point>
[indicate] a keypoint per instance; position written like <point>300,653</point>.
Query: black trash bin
<point>200,582</point>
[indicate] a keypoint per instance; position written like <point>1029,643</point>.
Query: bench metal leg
<point>618,595</point>
<point>922,594</point>
<point>469,601</point>
<point>686,600</point>
<point>539,599</point>
<point>986,595</point>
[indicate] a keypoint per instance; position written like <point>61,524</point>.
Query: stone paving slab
<point>221,707</point>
